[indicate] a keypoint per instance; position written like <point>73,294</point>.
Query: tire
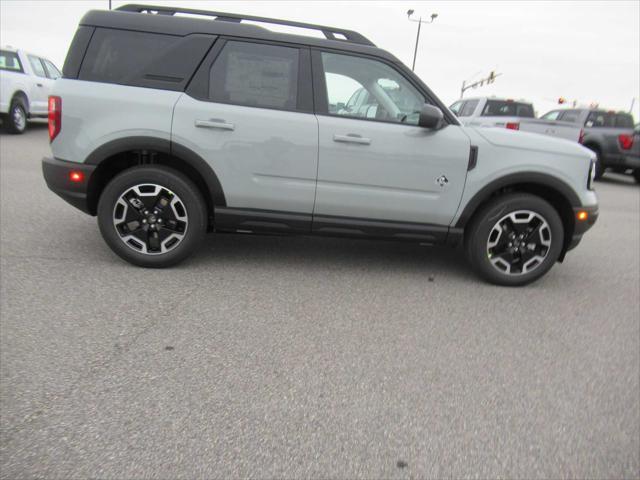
<point>636,175</point>
<point>500,220</point>
<point>16,119</point>
<point>179,226</point>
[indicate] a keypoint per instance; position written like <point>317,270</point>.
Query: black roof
<point>130,17</point>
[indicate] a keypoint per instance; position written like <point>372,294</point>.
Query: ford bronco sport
<point>167,126</point>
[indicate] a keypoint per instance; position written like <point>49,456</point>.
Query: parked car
<point>25,83</point>
<point>167,126</point>
<point>607,133</point>
<point>511,114</point>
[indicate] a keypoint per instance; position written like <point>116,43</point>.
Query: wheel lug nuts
<point>144,220</point>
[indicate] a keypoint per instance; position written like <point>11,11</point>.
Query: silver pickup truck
<point>511,114</point>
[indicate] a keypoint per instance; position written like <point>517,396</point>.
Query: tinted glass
<point>468,108</point>
<point>503,108</point>
<point>115,55</point>
<point>10,61</point>
<point>600,119</point>
<point>388,95</point>
<point>624,120</point>
<point>52,70</point>
<point>255,75</point>
<point>36,65</point>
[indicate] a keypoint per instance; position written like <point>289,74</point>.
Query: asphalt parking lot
<point>276,357</point>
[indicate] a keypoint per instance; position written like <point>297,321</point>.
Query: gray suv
<point>168,126</point>
<point>608,134</point>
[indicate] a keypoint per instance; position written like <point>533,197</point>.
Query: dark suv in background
<point>609,134</point>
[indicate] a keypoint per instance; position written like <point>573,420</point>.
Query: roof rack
<point>330,33</point>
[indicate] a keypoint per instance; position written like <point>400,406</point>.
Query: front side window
<point>37,67</point>
<point>363,88</point>
<point>255,75</point>
<point>10,61</point>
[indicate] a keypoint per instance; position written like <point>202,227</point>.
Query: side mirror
<point>430,117</point>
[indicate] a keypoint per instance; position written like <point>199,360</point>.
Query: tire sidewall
<point>11,125</point>
<point>173,181</point>
<point>486,219</point>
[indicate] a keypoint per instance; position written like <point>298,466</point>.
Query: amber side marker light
<point>582,215</point>
<point>75,176</point>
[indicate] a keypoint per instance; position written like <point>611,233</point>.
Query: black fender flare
<point>161,145</point>
<point>515,179</point>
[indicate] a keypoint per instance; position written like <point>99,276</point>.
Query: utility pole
<point>633,102</point>
<point>420,22</point>
<point>109,4</point>
<point>479,83</point>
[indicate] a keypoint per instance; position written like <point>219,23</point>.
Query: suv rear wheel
<point>152,216</point>
<point>514,239</point>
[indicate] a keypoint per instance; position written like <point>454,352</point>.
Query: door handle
<point>215,123</point>
<point>39,84</point>
<point>352,138</point>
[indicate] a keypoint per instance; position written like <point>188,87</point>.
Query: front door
<point>375,163</point>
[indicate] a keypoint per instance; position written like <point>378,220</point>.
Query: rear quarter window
<point>9,61</point>
<point>143,59</point>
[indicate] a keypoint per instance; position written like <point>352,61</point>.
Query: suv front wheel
<point>514,239</point>
<point>152,216</point>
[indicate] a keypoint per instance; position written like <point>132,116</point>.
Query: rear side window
<point>37,66</point>
<point>624,120</point>
<point>143,59</point>
<point>503,108</point>
<point>255,75</point>
<point>10,61</point>
<point>570,116</point>
<point>468,108</point>
<point>552,115</point>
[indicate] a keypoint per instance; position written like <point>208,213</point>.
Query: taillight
<point>55,117</point>
<point>581,139</point>
<point>513,125</point>
<point>626,141</point>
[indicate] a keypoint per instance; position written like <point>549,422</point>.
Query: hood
<point>502,137</point>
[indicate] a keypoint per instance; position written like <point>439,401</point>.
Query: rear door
<point>379,168</point>
<point>249,114</point>
<point>39,94</point>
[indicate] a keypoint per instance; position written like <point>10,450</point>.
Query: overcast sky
<point>585,51</point>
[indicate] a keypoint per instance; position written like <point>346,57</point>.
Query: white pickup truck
<point>511,114</point>
<point>25,82</point>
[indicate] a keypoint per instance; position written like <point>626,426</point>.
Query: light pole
<point>420,22</point>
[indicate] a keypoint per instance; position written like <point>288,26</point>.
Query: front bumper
<point>581,226</point>
<point>57,174</point>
